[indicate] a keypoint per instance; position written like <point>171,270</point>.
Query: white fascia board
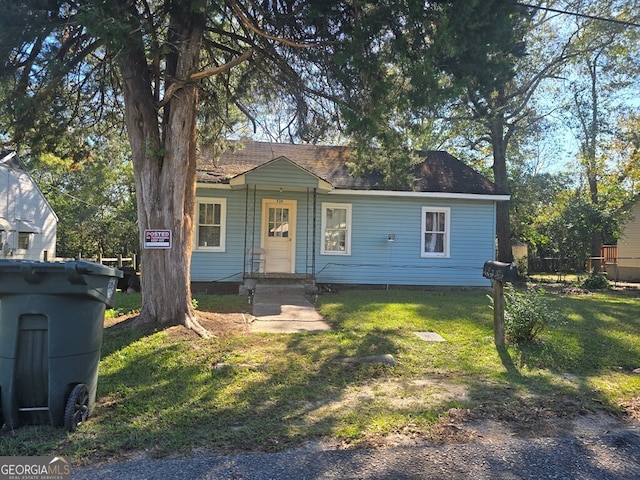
<point>452,196</point>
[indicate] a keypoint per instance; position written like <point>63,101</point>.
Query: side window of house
<point>435,231</point>
<point>24,240</point>
<point>210,227</point>
<point>336,229</point>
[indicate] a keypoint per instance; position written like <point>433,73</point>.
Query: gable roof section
<point>10,160</point>
<point>280,172</point>
<point>439,172</point>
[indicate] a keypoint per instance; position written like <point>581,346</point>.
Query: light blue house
<point>294,211</point>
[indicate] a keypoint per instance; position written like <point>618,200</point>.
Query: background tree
<point>624,150</point>
<point>599,83</point>
<point>94,200</point>
<point>536,196</point>
<point>497,120</point>
<point>506,125</point>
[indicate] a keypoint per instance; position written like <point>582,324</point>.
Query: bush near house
<point>527,314</point>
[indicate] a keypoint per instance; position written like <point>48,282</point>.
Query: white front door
<point>278,235</point>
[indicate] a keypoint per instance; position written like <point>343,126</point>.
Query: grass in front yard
<point>165,395</point>
<point>124,304</point>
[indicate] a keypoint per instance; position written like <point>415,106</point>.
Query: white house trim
<point>444,195</point>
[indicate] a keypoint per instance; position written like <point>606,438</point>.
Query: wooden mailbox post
<point>499,273</point>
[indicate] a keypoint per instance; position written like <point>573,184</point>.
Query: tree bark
<point>165,174</point>
<point>590,151</point>
<point>503,224</point>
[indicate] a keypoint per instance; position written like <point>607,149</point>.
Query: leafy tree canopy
<point>372,69</point>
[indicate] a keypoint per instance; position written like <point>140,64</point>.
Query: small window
<point>278,222</point>
<point>435,231</point>
<point>336,229</point>
<point>24,240</point>
<point>210,226</point>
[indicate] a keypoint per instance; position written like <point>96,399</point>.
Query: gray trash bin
<point>51,326</point>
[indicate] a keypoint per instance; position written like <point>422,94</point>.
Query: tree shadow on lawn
<point>468,320</point>
<point>158,403</point>
<point>533,404</point>
<point>600,335</point>
<point>118,334</point>
<point>598,339</point>
<point>219,395</point>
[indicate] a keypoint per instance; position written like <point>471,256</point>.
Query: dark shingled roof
<point>438,172</point>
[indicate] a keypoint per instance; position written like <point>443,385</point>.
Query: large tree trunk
<point>165,174</point>
<point>596,236</point>
<point>503,224</point>
<point>590,148</point>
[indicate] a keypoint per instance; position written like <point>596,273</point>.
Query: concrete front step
<point>279,289</point>
<point>284,308</point>
<point>277,286</point>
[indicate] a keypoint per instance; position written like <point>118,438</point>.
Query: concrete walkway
<point>284,309</point>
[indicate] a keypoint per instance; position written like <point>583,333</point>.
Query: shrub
<point>526,314</point>
<point>595,281</point>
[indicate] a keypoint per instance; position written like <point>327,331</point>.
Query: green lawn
<point>258,392</point>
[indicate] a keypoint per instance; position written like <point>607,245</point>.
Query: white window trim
<point>223,224</point>
<point>347,250</point>
<point>29,241</point>
<point>447,232</point>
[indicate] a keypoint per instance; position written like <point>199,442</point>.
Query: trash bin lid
<point>75,278</point>
<point>82,267</point>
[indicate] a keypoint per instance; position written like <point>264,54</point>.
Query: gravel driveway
<point>613,455</point>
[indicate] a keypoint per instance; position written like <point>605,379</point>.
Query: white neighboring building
<point>28,224</point>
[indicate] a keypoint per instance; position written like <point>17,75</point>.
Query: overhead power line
<point>581,15</point>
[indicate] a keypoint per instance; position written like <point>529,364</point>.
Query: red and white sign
<point>157,239</point>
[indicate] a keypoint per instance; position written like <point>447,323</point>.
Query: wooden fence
<point>608,256</point>
<point>610,253</point>
<point>118,261</point>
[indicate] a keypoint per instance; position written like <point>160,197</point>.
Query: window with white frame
<point>210,226</point>
<point>435,231</point>
<point>24,240</point>
<point>336,229</point>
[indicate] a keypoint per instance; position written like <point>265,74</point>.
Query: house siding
<point>223,266</point>
<point>23,200</point>
<point>373,259</point>
<point>283,174</point>
<point>628,267</point>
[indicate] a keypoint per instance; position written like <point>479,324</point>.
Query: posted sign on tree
<point>157,239</point>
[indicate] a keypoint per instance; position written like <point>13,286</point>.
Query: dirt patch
<point>632,408</point>
<point>461,425</point>
<point>219,324</point>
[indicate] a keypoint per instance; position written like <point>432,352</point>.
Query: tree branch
<point>194,77</point>
<point>210,72</point>
<point>250,25</point>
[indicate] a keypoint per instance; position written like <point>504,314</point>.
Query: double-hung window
<point>24,240</point>
<point>336,229</point>
<point>210,227</point>
<point>435,231</point>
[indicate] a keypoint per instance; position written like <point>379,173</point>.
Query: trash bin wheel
<point>77,409</point>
